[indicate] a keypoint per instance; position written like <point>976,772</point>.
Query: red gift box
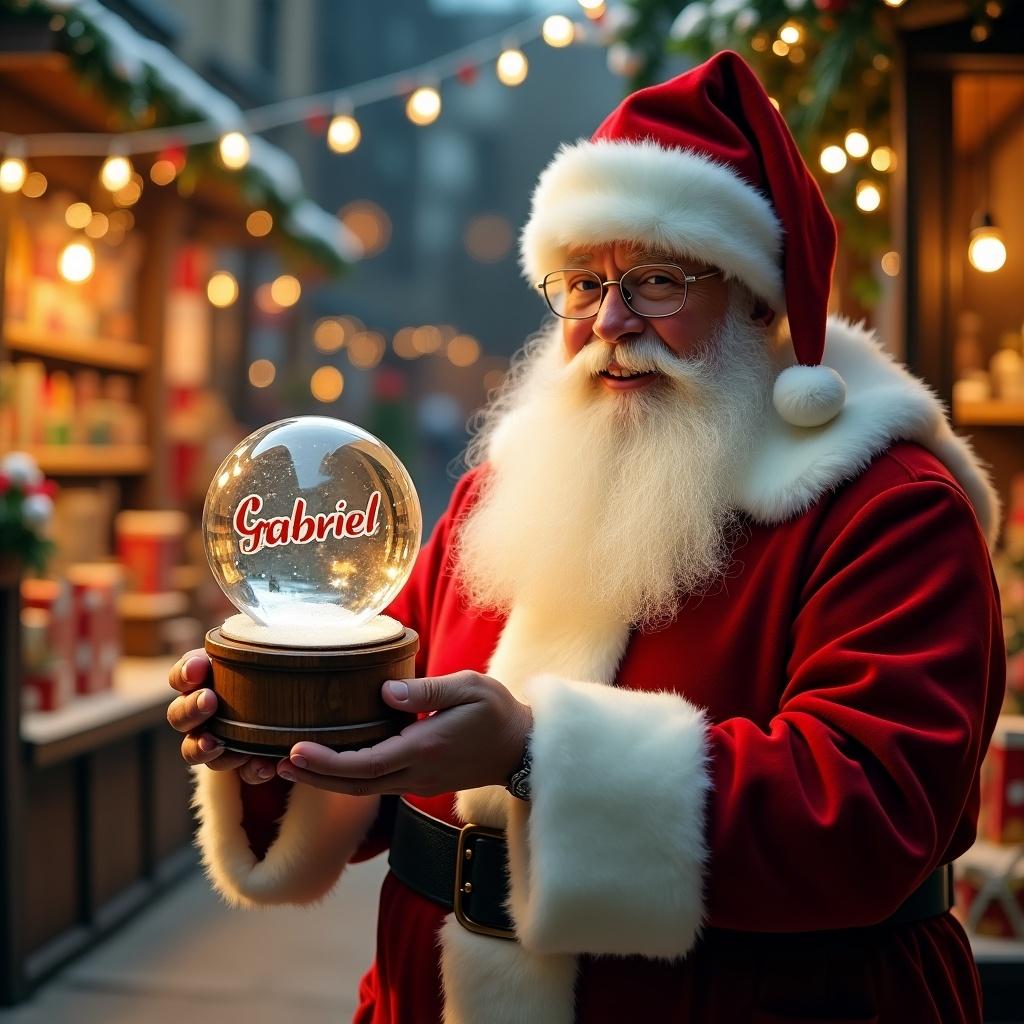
<point>95,589</point>
<point>149,547</point>
<point>48,644</point>
<point>1001,818</point>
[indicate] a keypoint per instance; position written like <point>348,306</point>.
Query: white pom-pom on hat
<point>809,396</point>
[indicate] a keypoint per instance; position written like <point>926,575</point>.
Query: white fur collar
<point>793,467</point>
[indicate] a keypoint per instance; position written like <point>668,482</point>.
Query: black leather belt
<point>464,870</point>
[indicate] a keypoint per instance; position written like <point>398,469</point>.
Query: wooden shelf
<point>995,412</point>
<point>139,695</point>
<point>101,353</point>
<point>92,460</point>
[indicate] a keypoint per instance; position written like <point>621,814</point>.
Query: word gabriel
<point>299,527</point>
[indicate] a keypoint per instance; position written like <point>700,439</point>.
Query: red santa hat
<point>705,166</point>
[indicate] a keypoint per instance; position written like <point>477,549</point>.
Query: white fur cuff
<point>319,833</point>
<point>608,857</point>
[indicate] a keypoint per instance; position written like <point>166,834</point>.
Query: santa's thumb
<point>432,693</point>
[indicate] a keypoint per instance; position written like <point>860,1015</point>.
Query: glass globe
<point>311,526</point>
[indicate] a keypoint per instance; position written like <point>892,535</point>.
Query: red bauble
<point>316,123</point>
<point>833,6</point>
<point>467,74</point>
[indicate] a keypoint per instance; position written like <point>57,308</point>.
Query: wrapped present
<point>1001,817</point>
<point>149,547</point>
<point>95,590</point>
<point>989,885</point>
<point>48,644</point>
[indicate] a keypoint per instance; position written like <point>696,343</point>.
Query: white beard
<point>616,502</point>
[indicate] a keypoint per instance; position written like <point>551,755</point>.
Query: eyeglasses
<point>651,290</point>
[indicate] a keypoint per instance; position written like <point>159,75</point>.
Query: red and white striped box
<point>1001,817</point>
<point>48,644</point>
<point>95,589</point>
<point>149,547</point>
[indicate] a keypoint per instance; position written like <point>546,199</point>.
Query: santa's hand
<point>189,713</point>
<point>475,738</point>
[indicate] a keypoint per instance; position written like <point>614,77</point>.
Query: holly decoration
<point>26,506</point>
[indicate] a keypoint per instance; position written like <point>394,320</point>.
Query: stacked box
<point>48,644</point>
<point>95,590</point>
<point>1001,817</point>
<point>989,882</point>
<point>149,547</point>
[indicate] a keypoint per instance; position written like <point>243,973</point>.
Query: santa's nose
<point>615,320</point>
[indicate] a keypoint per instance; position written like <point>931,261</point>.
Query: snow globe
<point>311,527</point>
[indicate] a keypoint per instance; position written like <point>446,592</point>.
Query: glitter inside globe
<point>312,526</point>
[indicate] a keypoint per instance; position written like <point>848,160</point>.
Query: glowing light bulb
<point>222,289</point>
<point>883,159</point>
<point>987,250</point>
<point>234,150</point>
<point>512,67</point>
<point>791,33</point>
<point>558,31</point>
<point>856,143</point>
<point>115,173</point>
<point>343,133</point>
<point>13,172</point>
<point>424,105</point>
<point>832,159</point>
<point>869,198</point>
<point>77,262</point>
<point>285,290</point>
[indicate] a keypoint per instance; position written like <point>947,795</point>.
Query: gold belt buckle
<point>463,886</point>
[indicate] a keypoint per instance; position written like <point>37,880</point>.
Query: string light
<point>856,143</point>
<point>262,373</point>
<point>13,172</point>
<point>424,105</point>
<point>883,159</point>
<point>558,31</point>
<point>869,198</point>
<point>234,150</point>
<point>343,134</point>
<point>35,185</point>
<point>222,289</point>
<point>163,172</point>
<point>98,225</point>
<point>259,223</point>
<point>329,334</point>
<point>791,33</point>
<point>512,67</point>
<point>894,3</point>
<point>77,262</point>
<point>77,215</point>
<point>115,173</point>
<point>285,290</point>
<point>832,159</point>
<point>463,350</point>
<point>326,384</point>
<point>891,263</point>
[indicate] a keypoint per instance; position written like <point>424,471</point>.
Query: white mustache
<point>641,355</point>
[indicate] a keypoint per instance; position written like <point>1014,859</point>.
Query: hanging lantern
<point>986,249</point>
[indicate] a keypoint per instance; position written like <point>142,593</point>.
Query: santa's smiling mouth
<point>616,377</point>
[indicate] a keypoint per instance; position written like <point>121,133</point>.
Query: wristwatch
<point>519,781</point>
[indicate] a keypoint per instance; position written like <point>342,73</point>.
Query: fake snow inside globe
<point>311,526</point>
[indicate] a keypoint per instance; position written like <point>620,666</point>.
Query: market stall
<point>118,286</point>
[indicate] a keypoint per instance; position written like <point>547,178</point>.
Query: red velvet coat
<point>725,810</point>
<point>852,672</point>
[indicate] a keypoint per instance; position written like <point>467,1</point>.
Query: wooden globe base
<point>273,697</point>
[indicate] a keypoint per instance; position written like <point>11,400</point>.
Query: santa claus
<point>710,643</point>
